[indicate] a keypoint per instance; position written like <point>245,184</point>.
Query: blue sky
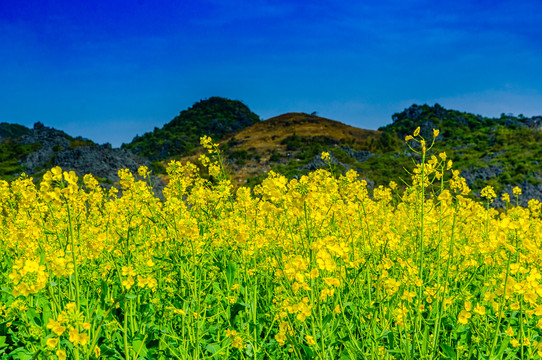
<point>108,70</point>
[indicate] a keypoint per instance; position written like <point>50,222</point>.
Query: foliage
<point>12,131</point>
<point>10,154</point>
<point>214,117</point>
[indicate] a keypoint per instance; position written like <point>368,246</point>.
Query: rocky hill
<point>34,151</point>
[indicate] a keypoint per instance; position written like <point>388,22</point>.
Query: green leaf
<point>448,351</point>
<point>139,347</point>
<point>391,341</point>
<point>231,272</point>
<point>327,319</point>
<point>21,354</point>
<point>212,348</point>
<point>235,309</point>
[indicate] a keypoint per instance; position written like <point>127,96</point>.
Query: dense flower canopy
<point>315,267</point>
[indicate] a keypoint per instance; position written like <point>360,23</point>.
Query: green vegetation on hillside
<point>10,155</point>
<point>506,148</point>
<point>214,117</point>
<point>12,131</point>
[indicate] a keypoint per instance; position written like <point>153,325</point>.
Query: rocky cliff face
<point>80,155</point>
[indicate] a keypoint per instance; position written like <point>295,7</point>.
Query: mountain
<point>215,117</point>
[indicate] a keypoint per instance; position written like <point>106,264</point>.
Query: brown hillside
<point>264,138</point>
<point>267,135</point>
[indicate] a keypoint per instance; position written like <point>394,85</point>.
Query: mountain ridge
<point>502,152</point>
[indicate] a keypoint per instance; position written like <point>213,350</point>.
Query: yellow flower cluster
<point>315,267</point>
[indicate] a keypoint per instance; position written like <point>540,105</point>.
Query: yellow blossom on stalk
<point>56,173</point>
<point>408,295</point>
<point>509,331</point>
<point>417,131</point>
<point>280,337</point>
<point>180,312</point>
<point>488,193</point>
<point>436,132</point>
<point>337,309</point>
<point>325,156</point>
<point>310,340</point>
<point>61,354</point>
<point>408,137</point>
<point>480,309</point>
<point>516,191</point>
<point>463,317</point>
<point>77,338</point>
<point>56,327</point>
<point>128,283</point>
<point>230,333</point>
<point>52,342</point>
<point>143,171</point>
<point>238,342</point>
<point>28,276</point>
<point>324,293</point>
<point>332,281</point>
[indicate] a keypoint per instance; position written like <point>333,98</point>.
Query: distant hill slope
<point>215,117</point>
<point>502,152</point>
<point>455,126</point>
<point>292,143</point>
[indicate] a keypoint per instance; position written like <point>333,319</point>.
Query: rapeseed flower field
<point>312,268</point>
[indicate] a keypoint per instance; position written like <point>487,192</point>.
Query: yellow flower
<point>435,132</point>
<point>480,309</point>
<point>281,338</point>
<point>52,342</point>
<point>464,317</point>
<point>310,340</point>
<point>238,342</point>
<point>97,351</point>
<point>488,192</point>
<point>230,333</point>
<point>509,331</point>
<point>337,309</point>
<point>417,131</point>
<point>61,354</point>
<point>143,171</point>
<point>408,137</point>
<point>77,338</point>
<point>325,156</point>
